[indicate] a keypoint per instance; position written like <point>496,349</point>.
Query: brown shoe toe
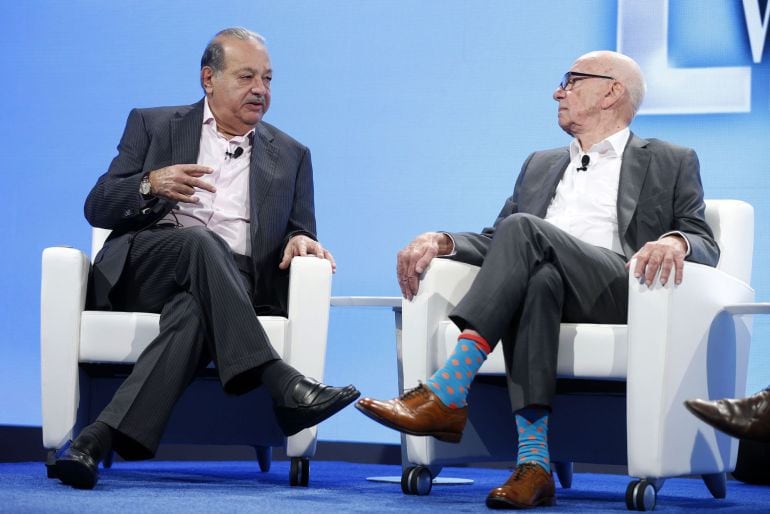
<point>529,486</point>
<point>745,418</point>
<point>417,412</point>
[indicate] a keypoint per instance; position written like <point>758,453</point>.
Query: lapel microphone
<point>239,151</point>
<point>584,162</point>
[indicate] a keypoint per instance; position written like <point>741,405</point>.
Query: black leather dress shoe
<point>744,418</point>
<point>313,403</point>
<point>77,467</point>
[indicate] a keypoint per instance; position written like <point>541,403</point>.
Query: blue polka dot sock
<point>451,383</point>
<point>532,425</point>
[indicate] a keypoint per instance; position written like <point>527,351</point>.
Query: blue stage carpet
<point>334,487</point>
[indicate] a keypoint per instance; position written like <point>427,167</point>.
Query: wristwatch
<point>144,186</point>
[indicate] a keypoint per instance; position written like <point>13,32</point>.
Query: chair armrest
<point>682,344</point>
<point>62,300</point>
<point>310,286</point>
<point>310,283</point>
<point>442,286</point>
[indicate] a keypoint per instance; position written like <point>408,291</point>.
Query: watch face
<point>144,187</point>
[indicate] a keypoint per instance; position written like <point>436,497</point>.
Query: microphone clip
<point>234,154</point>
<point>584,161</point>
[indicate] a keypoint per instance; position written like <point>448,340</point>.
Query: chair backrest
<point>98,237</point>
<point>733,224</point>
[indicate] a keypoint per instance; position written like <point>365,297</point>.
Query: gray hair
<point>214,54</point>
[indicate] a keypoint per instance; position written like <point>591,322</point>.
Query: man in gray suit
<point>207,205</point>
<point>559,251</point>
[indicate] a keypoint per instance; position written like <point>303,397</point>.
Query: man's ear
<point>613,95</point>
<point>206,74</point>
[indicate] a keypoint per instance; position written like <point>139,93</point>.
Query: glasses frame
<point>569,79</point>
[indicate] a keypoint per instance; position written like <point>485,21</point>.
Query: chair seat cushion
<point>585,351</point>
<point>121,337</point>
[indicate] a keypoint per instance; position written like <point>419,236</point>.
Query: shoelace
<point>523,470</point>
<point>420,390</point>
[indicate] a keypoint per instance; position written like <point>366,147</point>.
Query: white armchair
<point>83,354</point>
<point>680,342</point>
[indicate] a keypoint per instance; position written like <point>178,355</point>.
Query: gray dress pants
<point>535,276</point>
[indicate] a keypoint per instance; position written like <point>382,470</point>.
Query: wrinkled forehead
<point>243,49</point>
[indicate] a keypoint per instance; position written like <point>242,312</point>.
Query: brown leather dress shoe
<point>745,418</point>
<point>529,486</point>
<point>418,412</point>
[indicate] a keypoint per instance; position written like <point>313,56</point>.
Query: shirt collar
<point>208,120</point>
<point>611,145</point>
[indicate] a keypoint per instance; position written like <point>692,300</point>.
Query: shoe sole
<point>337,405</point>
<point>447,437</point>
<point>75,474</point>
<point>500,503</point>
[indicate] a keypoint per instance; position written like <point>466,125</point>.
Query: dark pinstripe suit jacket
<point>281,186</point>
<point>659,191</point>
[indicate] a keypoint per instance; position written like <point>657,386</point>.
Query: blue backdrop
<point>418,113</point>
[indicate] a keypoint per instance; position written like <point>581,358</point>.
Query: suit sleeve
<point>302,218</point>
<point>471,247</point>
<point>689,212</point>
<point>115,202</point>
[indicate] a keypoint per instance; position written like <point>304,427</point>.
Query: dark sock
<point>95,439</point>
<point>279,378</point>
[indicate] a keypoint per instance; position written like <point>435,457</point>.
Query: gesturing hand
<point>415,257</point>
<point>179,182</point>
<point>301,246</point>
<point>664,254</point>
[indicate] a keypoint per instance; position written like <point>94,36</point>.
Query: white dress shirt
<point>585,203</point>
<point>225,212</point>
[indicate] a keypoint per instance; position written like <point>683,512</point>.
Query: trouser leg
<point>140,408</point>
<point>500,304</point>
<point>190,277</point>
<point>163,262</point>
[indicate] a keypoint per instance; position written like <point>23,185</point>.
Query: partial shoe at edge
<point>315,402</point>
<point>77,468</point>
<point>529,486</point>
<point>418,412</point>
<point>744,418</point>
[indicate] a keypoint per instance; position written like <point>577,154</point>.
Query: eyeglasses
<point>569,79</point>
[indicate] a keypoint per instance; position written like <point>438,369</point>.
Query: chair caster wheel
<point>299,474</point>
<point>416,481</point>
<point>641,495</point>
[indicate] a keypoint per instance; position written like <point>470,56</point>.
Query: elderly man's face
<point>580,103</point>
<point>239,95</point>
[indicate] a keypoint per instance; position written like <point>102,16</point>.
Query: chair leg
<point>717,484</point>
<point>264,457</point>
<point>564,472</point>
<point>50,464</point>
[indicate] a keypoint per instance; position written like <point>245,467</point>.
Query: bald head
<point>624,69</point>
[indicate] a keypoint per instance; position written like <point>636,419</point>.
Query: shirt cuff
<point>454,246</point>
<point>680,234</point>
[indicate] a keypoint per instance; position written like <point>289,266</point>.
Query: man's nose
<point>258,87</point>
<point>559,93</point>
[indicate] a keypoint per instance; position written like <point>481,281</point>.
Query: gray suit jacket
<point>281,199</point>
<point>660,190</point>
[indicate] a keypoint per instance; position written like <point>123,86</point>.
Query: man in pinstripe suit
<point>207,205</point>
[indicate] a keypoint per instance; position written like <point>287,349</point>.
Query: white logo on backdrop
<point>643,35</point>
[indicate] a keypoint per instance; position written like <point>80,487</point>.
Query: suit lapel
<point>262,171</point>
<point>636,160</point>
<point>186,135</point>
<point>546,187</point>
